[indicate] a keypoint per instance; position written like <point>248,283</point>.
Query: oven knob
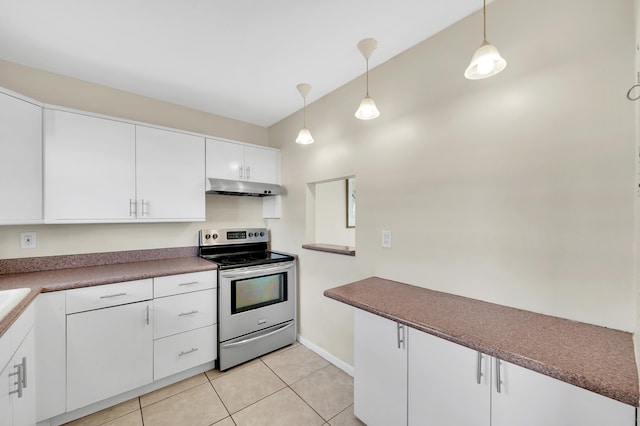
<point>214,236</point>
<point>262,234</point>
<point>250,234</point>
<point>207,236</point>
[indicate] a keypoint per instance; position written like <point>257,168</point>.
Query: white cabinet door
<point>170,175</point>
<point>20,161</point>
<point>24,406</point>
<point>234,161</point>
<point>527,398</point>
<point>262,165</point>
<point>225,160</point>
<point>443,377</point>
<point>7,385</point>
<point>380,363</point>
<point>109,351</point>
<point>89,168</point>
<point>50,331</point>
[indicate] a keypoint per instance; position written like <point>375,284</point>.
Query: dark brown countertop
<point>592,357</point>
<point>64,279</point>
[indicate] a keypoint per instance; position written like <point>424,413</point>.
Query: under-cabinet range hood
<point>235,187</point>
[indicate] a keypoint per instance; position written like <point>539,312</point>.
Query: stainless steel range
<point>256,293</point>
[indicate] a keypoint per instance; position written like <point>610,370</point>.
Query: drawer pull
<point>187,352</point>
<point>187,313</point>
<point>106,296</point>
<point>189,283</point>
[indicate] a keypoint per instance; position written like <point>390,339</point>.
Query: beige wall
<point>222,211</point>
<point>72,93</point>
<point>516,190</point>
<point>331,214</point>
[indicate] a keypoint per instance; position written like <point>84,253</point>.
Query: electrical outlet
<point>386,238</point>
<point>28,240</point>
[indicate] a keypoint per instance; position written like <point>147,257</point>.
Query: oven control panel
<point>212,237</point>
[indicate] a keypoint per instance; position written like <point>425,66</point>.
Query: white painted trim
<point>326,355</point>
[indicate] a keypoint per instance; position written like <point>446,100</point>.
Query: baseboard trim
<point>326,355</point>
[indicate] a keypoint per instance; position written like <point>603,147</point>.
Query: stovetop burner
<point>238,248</point>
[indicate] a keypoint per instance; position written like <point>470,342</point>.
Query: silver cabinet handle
<point>19,381</point>
<point>240,172</point>
<point>132,207</point>
<point>248,173</point>
<point>106,296</point>
<point>233,273</point>
<point>147,314</point>
<point>24,372</point>
<point>187,313</point>
<point>400,339</point>
<point>252,339</point>
<point>189,283</point>
<point>498,379</point>
<point>145,203</point>
<point>479,368</point>
<point>188,352</point>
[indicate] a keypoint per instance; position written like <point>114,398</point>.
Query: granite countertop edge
<point>87,276</point>
<point>629,394</point>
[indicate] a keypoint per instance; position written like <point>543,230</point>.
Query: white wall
<point>516,190</point>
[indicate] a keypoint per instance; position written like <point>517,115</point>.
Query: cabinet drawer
<point>177,353</point>
<point>184,283</point>
<point>103,296</point>
<point>183,312</point>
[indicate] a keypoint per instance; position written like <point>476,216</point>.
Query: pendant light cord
<point>484,16</point>
<point>304,111</point>
<point>367,76</point>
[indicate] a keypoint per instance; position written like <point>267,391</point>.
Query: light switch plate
<point>386,238</point>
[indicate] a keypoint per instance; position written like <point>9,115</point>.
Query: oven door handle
<point>253,271</point>
<point>252,339</point>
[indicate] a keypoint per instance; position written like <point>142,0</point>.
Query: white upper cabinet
<point>103,170</point>
<point>20,160</point>
<point>234,161</point>
<point>89,168</point>
<point>170,175</point>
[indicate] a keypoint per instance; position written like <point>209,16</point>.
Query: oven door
<point>255,298</point>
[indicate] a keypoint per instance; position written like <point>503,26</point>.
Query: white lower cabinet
<point>51,352</point>
<point>443,375</point>
<point>405,376</point>
<point>527,398</point>
<point>443,378</point>
<point>18,395</point>
<point>108,352</point>
<point>182,351</point>
<point>184,322</point>
<point>380,376</point>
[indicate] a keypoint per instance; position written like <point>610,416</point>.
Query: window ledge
<point>331,248</point>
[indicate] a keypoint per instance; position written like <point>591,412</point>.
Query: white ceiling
<point>236,58</point>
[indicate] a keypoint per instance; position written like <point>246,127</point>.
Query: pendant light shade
<point>304,135</point>
<point>367,109</point>
<point>486,61</point>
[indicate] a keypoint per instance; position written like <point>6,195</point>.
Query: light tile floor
<point>289,387</point>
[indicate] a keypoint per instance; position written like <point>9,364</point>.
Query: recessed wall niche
<point>331,217</point>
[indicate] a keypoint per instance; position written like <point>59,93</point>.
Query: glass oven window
<point>256,292</point>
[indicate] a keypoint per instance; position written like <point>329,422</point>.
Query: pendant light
<point>486,62</point>
<point>304,136</point>
<point>367,109</point>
